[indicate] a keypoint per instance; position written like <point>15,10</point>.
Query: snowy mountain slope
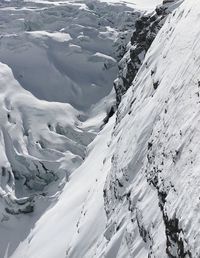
<point>42,142</point>
<point>41,145</point>
<point>154,170</point>
<point>152,199</point>
<point>78,218</point>
<point>136,192</point>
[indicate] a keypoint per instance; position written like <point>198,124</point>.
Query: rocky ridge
<point>146,29</point>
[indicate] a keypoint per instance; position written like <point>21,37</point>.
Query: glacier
<point>91,170</point>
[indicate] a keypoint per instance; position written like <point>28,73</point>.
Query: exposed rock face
<point>146,29</point>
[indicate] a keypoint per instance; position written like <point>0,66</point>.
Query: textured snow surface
<point>139,4</point>
<point>41,144</point>
<point>62,52</point>
<point>51,47</point>
<point>153,187</point>
<point>134,190</point>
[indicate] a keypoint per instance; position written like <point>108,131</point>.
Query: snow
<point>167,117</point>
<point>24,121</point>
<point>57,36</point>
<point>128,190</point>
<point>50,47</point>
<point>38,134</point>
<point>139,4</point>
<point>59,52</point>
<point>71,221</point>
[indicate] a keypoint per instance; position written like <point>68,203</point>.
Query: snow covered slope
<point>136,194</point>
<point>41,144</point>
<point>152,191</point>
<point>57,51</point>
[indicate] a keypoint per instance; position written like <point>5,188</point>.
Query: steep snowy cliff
<point>152,191</point>
<point>136,193</point>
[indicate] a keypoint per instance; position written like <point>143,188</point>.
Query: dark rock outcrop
<point>146,29</point>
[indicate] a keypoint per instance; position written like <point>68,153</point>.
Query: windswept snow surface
<point>151,193</point>
<point>132,191</point>
<point>55,57</point>
<point>51,47</point>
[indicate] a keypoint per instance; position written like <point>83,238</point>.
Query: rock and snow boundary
<point>135,191</point>
<point>62,52</point>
